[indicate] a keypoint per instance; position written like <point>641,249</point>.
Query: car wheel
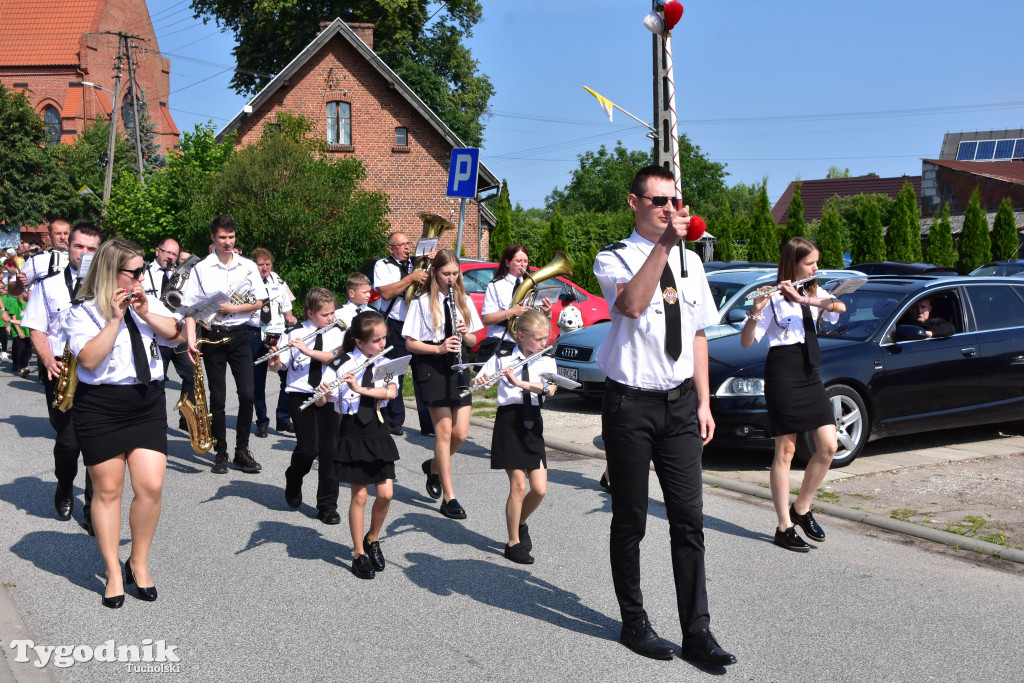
<point>853,425</point>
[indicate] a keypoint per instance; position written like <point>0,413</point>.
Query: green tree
<point>601,182</point>
<point>501,236</point>
<point>763,245</point>
<point>836,172</point>
<point>940,240</point>
<point>742,198</point>
<point>867,239</point>
<point>795,225</point>
<point>422,42</point>
<point>725,247</point>
<point>583,271</point>
<point>557,240</point>
<point>830,238</point>
<point>903,239</point>
<point>1004,232</point>
<point>26,171</point>
<point>975,243</point>
<point>78,165</point>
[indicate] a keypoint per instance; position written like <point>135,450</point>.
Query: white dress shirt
<point>281,299</point>
<point>498,297</point>
<point>419,324</point>
<point>388,271</point>
<point>297,363</point>
<point>85,321</point>
<point>153,279</point>
<point>49,303</point>
<point>345,400</point>
<point>788,327</point>
<point>633,352</point>
<point>43,264</point>
<point>349,311</point>
<point>509,394</point>
<point>211,276</point>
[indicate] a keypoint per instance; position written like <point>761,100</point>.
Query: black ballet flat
<point>147,594</point>
<point>114,601</point>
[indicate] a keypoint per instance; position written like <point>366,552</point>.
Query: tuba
<point>526,294</point>
<point>197,415</point>
<point>67,381</point>
<point>433,226</point>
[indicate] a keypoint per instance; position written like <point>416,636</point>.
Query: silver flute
<point>491,381</point>
<point>305,340</point>
<point>458,354</point>
<point>757,295</point>
<point>338,382</point>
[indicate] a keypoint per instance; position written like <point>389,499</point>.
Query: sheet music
<point>392,366</point>
<point>83,266</point>
<point>560,381</point>
<point>426,245</point>
<point>850,284</point>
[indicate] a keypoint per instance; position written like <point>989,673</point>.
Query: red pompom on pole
<point>673,12</point>
<point>696,229</point>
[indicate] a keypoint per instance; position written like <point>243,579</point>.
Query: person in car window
<point>920,314</point>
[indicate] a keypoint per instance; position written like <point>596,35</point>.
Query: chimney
<point>364,31</point>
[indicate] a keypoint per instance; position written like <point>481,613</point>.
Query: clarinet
<point>463,384</point>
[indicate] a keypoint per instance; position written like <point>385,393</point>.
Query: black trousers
<point>183,366</point>
<point>259,382</point>
<point>21,352</point>
<point>637,430</point>
<point>234,352</point>
<point>65,447</point>
<point>317,429</point>
<point>394,411</point>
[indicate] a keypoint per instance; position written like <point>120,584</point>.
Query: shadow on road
<point>30,427</point>
<point>300,542</point>
<point>61,554</point>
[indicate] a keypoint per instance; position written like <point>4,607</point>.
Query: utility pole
<point>134,87</point>
<point>662,150</point>
<point>109,177</point>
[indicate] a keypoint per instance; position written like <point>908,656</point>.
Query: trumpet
<point>305,340</point>
<point>757,294</point>
<point>491,381</point>
<point>338,382</point>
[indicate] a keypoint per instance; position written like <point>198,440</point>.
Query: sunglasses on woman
<point>136,274</point>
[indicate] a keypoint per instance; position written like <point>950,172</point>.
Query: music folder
<point>392,367</point>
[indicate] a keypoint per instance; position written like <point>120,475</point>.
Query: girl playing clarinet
<point>437,327</point>
<point>793,390</point>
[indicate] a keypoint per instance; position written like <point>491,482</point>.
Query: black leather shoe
<point>147,594</point>
<point>433,480</point>
<point>293,493</point>
<point>87,525</point>
<point>605,483</point>
<point>703,648</point>
<point>362,567</point>
<point>518,553</point>
<point>452,509</point>
<point>641,639</point>
<point>114,601</point>
<point>524,537</point>
<point>64,502</point>
<point>285,426</point>
<point>372,550</point>
<point>328,516</point>
<point>808,524</point>
<point>790,540</point>
<point>261,431</point>
<point>396,430</point>
<point>182,424</point>
<point>245,462</point>
<point>220,464</point>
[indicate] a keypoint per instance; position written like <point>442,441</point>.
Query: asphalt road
<point>251,590</point>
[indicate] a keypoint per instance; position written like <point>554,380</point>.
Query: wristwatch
<point>543,386</point>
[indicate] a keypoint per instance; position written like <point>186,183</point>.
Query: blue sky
<point>777,89</point>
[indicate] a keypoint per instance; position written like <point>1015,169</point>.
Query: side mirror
<point>909,333</point>
<point>736,315</point>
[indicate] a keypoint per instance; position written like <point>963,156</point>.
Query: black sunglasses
<point>660,201</point>
<point>136,274</point>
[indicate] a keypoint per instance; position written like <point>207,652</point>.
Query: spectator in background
<point>21,346</point>
<point>920,314</point>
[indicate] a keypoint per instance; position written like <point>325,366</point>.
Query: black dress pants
<point>394,411</point>
<point>65,447</point>
<point>217,357</point>
<point>183,365</point>
<point>637,430</point>
<point>317,429</point>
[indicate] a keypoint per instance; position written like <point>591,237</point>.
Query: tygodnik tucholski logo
<point>150,656</point>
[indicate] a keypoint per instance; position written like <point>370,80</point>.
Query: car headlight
<point>741,386</point>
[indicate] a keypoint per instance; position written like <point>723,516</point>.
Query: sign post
<point>462,182</point>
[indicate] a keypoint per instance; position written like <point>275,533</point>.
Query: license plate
<point>569,373</point>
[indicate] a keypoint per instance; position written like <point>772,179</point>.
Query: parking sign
<point>462,172</point>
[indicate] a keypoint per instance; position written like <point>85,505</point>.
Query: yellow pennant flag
<point>606,104</point>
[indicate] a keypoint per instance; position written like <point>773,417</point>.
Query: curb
<point>13,627</point>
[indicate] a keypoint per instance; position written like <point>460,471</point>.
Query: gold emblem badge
<point>670,295</point>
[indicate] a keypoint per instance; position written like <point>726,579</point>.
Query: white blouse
<point>509,394</point>
<point>346,401</point>
<point>783,322</point>
<point>498,297</point>
<point>297,363</point>
<point>419,324</point>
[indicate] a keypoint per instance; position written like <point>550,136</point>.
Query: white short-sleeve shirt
<point>508,394</point>
<point>297,363</point>
<point>388,271</point>
<point>345,400</point>
<point>498,297</point>
<point>783,322</point>
<point>44,265</point>
<point>420,322</point>
<point>48,304</point>
<point>211,276</point>
<point>349,311</point>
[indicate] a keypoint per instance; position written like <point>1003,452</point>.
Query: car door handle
<point>969,352</point>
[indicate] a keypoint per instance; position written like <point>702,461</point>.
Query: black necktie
<point>316,368</point>
<point>72,289</point>
<point>139,356</point>
<point>673,321</point>
<point>166,282</point>
<point>519,281</point>
<point>406,267</point>
<point>265,317</point>
<point>367,406</point>
<point>529,410</point>
<point>812,352</point>
<point>449,324</point>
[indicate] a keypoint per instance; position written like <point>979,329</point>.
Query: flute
<point>458,354</point>
<point>491,381</point>
<point>338,382</point>
<point>758,294</point>
<point>305,340</point>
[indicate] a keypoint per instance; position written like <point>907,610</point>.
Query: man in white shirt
<point>657,408</point>
<point>225,271</point>
<point>43,316</point>
<point>50,262</point>
<point>267,325</point>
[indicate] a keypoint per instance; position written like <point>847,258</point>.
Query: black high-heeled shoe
<point>114,601</point>
<point>147,594</point>
<point>605,484</point>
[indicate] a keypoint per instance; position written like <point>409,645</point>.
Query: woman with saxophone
<point>498,310</point>
<point>119,412</point>
<point>439,323</point>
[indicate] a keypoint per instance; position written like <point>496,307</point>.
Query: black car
<point>883,376</point>
<point>1011,268</point>
<point>894,268</point>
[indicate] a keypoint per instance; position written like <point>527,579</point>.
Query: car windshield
<point>1000,269</point>
<point>865,311</point>
<point>477,279</point>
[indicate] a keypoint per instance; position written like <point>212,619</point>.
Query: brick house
<point>816,193</point>
<point>364,110</point>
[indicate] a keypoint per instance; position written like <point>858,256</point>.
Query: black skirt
<point>365,454</point>
<point>112,419</point>
<point>513,446</point>
<point>795,395</point>
<point>437,383</point>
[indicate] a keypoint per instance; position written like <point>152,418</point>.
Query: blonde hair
<point>443,258</point>
<point>533,320</point>
<point>101,280</point>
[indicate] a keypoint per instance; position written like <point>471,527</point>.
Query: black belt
<point>226,329</point>
<point>667,396</point>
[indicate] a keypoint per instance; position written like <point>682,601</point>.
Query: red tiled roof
<point>1009,171</point>
<point>39,32</point>
<point>72,107</point>
<point>167,118</point>
<point>815,193</point>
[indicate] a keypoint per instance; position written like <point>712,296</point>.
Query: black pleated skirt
<point>112,419</point>
<point>438,385</point>
<point>796,398</point>
<point>365,454</point>
<point>513,446</point>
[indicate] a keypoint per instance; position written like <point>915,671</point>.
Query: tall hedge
<point>975,244</point>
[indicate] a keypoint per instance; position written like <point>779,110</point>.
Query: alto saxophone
<point>197,415</point>
<point>67,381</point>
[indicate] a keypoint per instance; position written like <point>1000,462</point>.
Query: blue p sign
<point>462,172</point>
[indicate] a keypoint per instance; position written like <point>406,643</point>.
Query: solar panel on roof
<point>1018,149</point>
<point>1004,149</point>
<point>965,152</point>
<point>986,148</point>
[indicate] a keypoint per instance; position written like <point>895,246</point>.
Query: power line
<point>198,82</point>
